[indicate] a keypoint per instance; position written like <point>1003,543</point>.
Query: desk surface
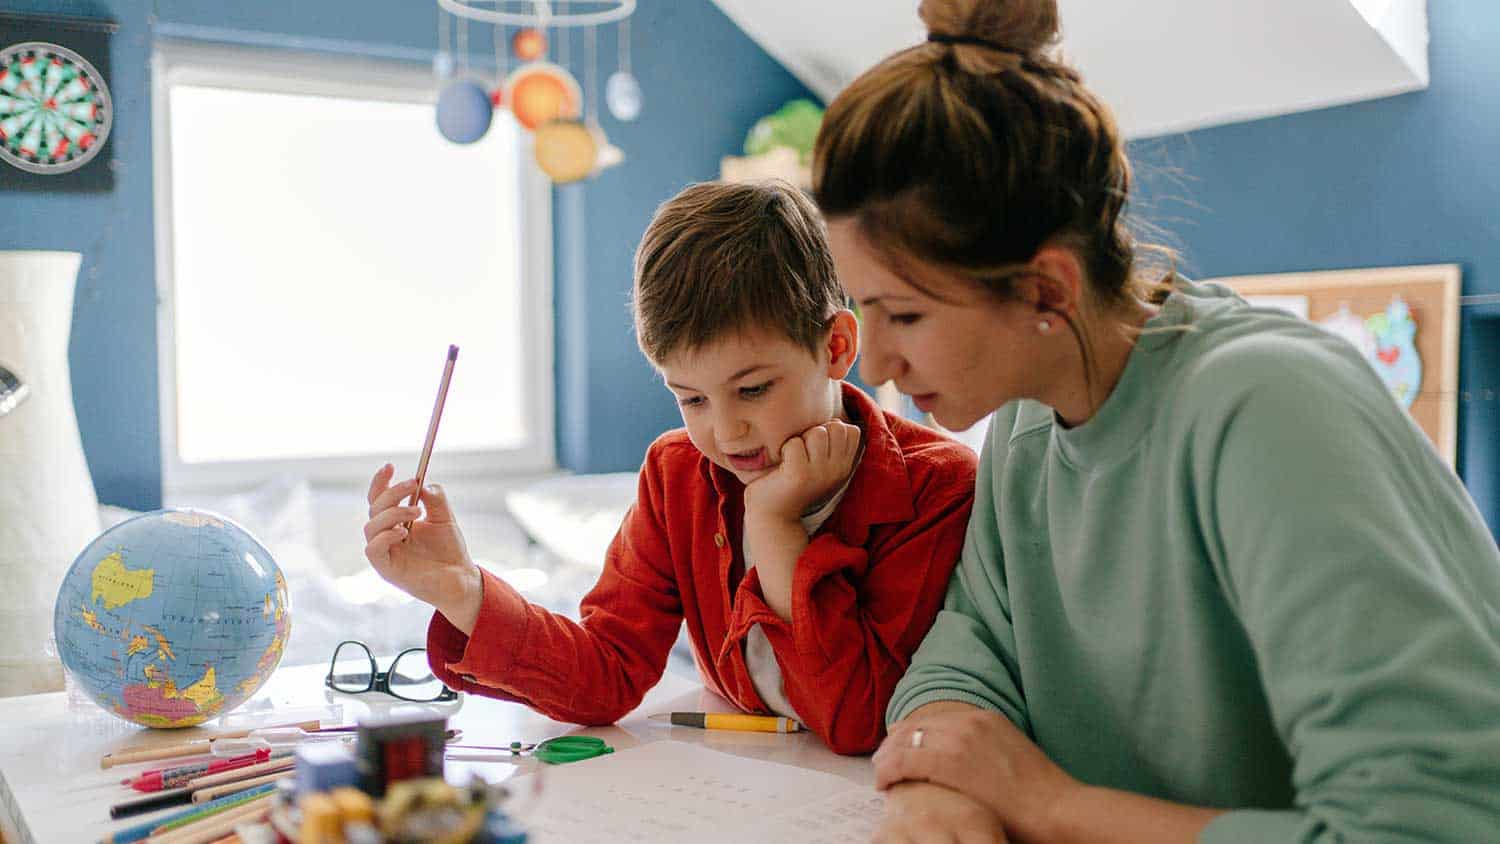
<point>52,788</point>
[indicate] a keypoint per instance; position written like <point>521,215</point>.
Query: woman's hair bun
<point>1025,26</point>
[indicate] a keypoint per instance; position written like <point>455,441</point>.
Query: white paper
<point>677,791</point>
<point>851,815</point>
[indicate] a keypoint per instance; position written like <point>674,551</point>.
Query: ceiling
<point>1165,66</point>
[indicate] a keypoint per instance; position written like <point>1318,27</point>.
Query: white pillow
<point>574,516</point>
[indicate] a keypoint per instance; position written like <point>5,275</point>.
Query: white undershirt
<point>760,659</point>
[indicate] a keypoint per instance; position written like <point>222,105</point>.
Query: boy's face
<point>744,395</point>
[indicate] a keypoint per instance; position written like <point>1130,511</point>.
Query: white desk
<point>53,790</point>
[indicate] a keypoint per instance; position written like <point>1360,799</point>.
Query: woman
<point>1216,585</point>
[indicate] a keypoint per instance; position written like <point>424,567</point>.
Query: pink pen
<point>174,777</point>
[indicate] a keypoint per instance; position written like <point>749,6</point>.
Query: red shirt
<point>864,592</point>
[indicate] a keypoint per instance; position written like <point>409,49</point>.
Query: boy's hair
<point>720,258</point>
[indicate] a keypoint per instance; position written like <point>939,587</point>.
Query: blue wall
<point>1406,180</point>
<point>705,83</point>
<point>1413,179</point>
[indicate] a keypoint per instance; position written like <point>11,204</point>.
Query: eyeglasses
<point>353,670</point>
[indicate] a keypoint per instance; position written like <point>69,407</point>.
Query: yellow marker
<point>730,721</point>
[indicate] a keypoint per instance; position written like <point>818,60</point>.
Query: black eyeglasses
<point>353,671</point>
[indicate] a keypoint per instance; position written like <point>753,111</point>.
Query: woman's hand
<point>981,754</point>
<point>429,561</point>
<point>919,812</point>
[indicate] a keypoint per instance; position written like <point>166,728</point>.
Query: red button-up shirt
<point>864,592</point>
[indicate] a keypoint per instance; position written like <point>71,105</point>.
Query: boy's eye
<point>905,319</point>
<point>755,392</point>
<point>690,401</point>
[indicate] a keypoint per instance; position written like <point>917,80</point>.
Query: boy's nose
<point>730,429</point>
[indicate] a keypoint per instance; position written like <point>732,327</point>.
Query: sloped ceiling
<point>1165,66</point>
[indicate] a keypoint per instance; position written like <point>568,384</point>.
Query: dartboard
<point>54,108</point>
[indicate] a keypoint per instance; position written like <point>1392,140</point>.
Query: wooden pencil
<point>239,774</point>
<point>195,747</point>
<point>432,427</point>
<point>209,811</point>
<point>216,827</point>
<point>203,795</point>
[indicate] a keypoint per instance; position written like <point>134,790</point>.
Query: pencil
<point>157,800</point>
<point>136,833</point>
<point>194,747</point>
<point>212,829</point>
<point>432,427</point>
<point>214,791</point>
<point>730,721</point>
<point>208,810</point>
<point>282,763</point>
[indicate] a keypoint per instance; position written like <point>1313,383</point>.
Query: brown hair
<point>973,150</point>
<point>720,258</point>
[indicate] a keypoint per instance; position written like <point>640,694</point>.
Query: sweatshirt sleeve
<point>1370,590</point>
<point>591,671</point>
<point>858,613</point>
<point>969,654</point>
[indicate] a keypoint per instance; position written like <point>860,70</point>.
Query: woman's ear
<point>842,344</point>
<point>1058,280</point>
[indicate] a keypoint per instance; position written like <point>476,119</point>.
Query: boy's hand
<point>812,466</point>
<point>430,561</point>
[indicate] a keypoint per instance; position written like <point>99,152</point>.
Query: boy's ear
<point>843,344</point>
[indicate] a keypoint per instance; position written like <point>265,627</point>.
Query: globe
<point>172,617</point>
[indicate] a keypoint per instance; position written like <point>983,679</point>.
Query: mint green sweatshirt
<point>1247,582</point>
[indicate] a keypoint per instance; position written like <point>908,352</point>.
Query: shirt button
<point>719,540</point>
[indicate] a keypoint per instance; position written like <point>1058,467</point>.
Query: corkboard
<point>1431,292</point>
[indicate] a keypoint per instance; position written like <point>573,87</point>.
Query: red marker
<point>174,777</point>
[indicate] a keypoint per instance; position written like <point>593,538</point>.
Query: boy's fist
<point>813,465</point>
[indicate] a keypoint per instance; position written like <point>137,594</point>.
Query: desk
<point>52,789</point>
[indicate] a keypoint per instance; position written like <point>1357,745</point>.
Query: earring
<point>1044,326</point>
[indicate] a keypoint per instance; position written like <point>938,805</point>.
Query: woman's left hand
<point>983,755</point>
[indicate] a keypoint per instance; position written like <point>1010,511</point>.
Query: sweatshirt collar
<point>1121,422</point>
<point>879,490</point>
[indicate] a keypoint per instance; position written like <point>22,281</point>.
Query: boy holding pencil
<point>805,536</point>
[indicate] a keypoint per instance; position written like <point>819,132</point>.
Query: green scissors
<point>563,749</point>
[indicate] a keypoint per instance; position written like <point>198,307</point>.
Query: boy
<point>805,536</point>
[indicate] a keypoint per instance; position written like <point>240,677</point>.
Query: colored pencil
<point>208,810</point>
<point>212,829</point>
<point>206,794</point>
<point>140,831</point>
<point>277,764</point>
<point>432,427</point>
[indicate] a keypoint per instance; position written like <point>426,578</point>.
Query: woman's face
<point>959,357</point>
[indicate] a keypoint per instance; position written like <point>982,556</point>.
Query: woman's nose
<point>878,366</point>
<point>876,363</point>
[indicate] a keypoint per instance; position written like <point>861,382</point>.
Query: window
<point>319,246</point>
